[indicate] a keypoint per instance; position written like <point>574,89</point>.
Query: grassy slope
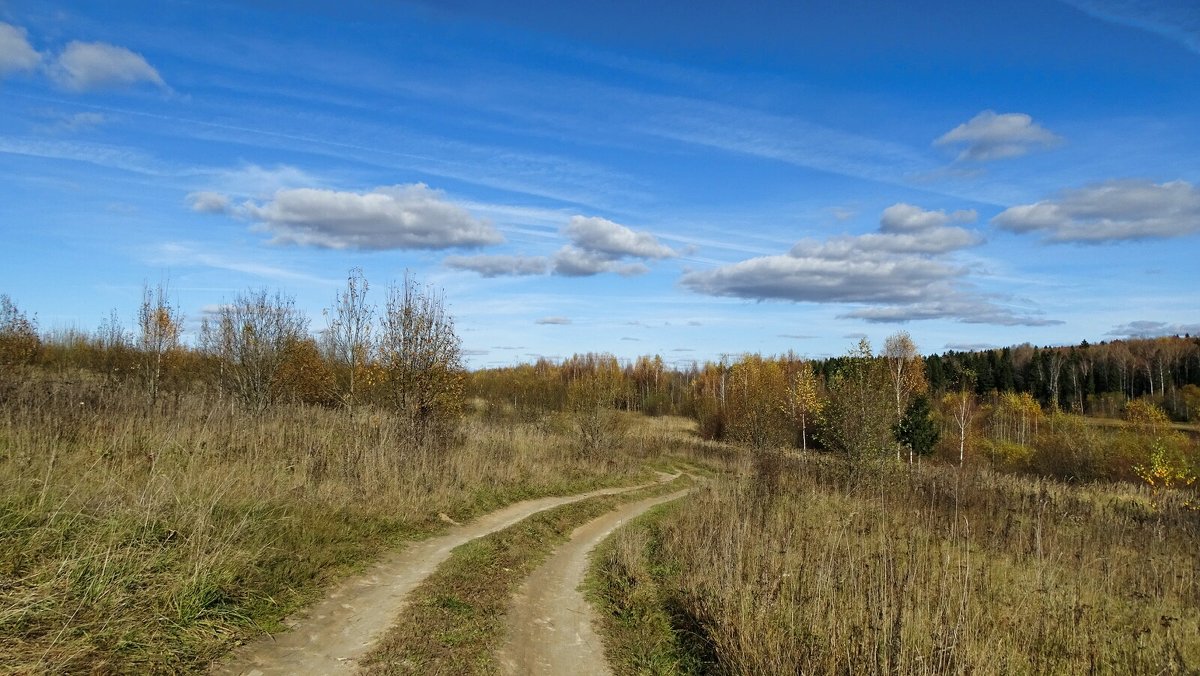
<point>135,542</point>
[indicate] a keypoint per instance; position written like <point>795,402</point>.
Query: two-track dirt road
<point>331,636</point>
<point>549,621</point>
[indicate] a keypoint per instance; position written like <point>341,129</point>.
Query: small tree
<point>906,372</point>
<point>421,357</point>
<point>917,430</point>
<point>590,399</point>
<point>757,389</point>
<point>159,326</point>
<point>858,414</point>
<point>961,406</point>
<point>19,341</point>
<point>250,340</point>
<point>805,400</point>
<point>349,337</point>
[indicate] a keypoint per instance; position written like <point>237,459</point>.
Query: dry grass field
<point>806,565</point>
<point>142,540</point>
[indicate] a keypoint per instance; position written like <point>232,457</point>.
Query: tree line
<point>1019,407</point>
<point>257,350</point>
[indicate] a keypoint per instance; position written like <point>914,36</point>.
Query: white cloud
<point>993,136</point>
<point>1110,211</point>
<point>571,261</point>
<point>553,321</point>
<point>597,246</point>
<point>500,265</point>
<point>207,202</point>
<point>902,217</point>
<point>85,66</point>
<point>397,217</point>
<point>1149,329</point>
<point>901,273</point>
<point>954,305</point>
<point>16,54</point>
<point>970,347</point>
<point>602,236</point>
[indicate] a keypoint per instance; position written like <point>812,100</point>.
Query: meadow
<point>807,564</point>
<point>140,539</point>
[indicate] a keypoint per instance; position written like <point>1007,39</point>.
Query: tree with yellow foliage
<point>159,326</point>
<point>804,400</point>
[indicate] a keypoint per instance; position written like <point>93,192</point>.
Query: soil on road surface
<point>332,635</point>
<point>549,622</point>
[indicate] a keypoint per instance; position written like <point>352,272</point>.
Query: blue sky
<point>680,178</point>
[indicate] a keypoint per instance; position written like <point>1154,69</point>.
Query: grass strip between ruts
<point>455,619</point>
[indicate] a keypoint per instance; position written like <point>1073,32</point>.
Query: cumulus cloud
<point>500,266</point>
<point>993,136</point>
<point>902,217</point>
<point>899,264</point>
<point>397,217</point>
<point>84,66</point>
<point>16,54</point>
<point>208,202</point>
<point>599,245</point>
<point>1110,211</point>
<point>602,236</point>
<point>553,321</point>
<point>1150,329</point>
<point>901,273</point>
<point>571,261</point>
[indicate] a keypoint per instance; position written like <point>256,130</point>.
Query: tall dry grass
<point>141,540</point>
<point>804,566</point>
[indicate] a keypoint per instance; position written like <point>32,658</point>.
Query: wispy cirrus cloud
<point>553,321</point>
<point>498,265</point>
<point>1112,211</point>
<point>1177,20</point>
<point>992,136</point>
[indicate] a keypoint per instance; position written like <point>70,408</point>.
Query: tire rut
<point>332,635</point>
<point>549,621</point>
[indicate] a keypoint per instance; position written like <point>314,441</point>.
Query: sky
<point>688,179</point>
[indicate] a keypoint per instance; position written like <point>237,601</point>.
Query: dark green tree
<point>916,429</point>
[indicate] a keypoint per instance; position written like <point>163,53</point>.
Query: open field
<point>144,540</point>
<point>804,566</point>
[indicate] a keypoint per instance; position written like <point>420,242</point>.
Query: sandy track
<point>549,621</point>
<point>333,634</point>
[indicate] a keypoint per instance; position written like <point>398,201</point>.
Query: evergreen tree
<point>916,429</point>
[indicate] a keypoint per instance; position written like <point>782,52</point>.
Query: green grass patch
<point>643,631</point>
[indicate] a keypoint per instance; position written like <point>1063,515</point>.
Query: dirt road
<point>333,634</point>
<point>549,622</point>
